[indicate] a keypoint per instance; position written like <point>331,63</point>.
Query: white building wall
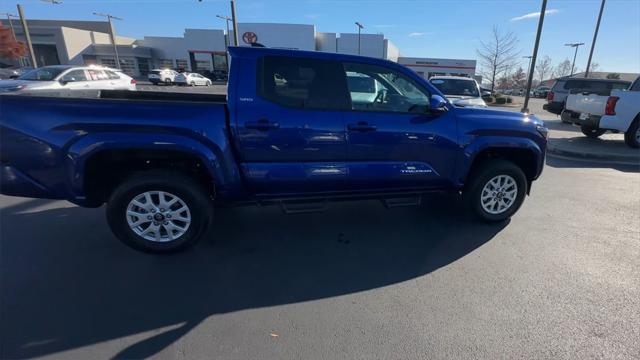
<point>289,36</point>
<point>391,51</point>
<point>177,48</point>
<point>371,45</point>
<point>428,67</point>
<point>326,42</point>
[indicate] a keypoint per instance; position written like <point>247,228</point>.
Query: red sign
<point>250,37</point>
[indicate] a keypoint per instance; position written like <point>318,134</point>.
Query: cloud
<point>417,34</point>
<point>535,15</point>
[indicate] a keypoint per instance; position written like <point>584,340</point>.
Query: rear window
<point>112,75</point>
<point>598,86</point>
<point>154,72</point>
<point>456,87</point>
<point>302,83</point>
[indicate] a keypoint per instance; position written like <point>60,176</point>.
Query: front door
<point>291,134</point>
<point>394,141</point>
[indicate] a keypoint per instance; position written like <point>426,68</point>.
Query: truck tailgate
<point>593,104</point>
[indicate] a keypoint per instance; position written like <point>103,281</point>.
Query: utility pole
<point>576,46</point>
<point>25,30</point>
<point>235,23</point>
<point>226,38</point>
<point>525,106</point>
<point>112,33</point>
<point>360,27</point>
<point>593,43</point>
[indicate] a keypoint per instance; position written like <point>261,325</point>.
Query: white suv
<point>162,76</point>
<point>461,91</point>
<point>66,77</point>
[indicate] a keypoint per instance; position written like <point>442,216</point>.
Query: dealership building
<point>88,42</point>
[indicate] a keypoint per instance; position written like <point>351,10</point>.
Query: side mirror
<point>485,94</point>
<point>437,104</point>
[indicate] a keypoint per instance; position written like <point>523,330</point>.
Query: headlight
<point>544,132</point>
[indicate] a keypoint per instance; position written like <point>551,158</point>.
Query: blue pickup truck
<point>296,128</point>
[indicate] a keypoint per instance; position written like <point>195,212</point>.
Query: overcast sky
<point>420,28</point>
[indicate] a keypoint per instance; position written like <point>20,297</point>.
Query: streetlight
<point>595,36</point>
<point>235,22</point>
<point>574,45</point>
<point>360,27</point>
<point>25,30</point>
<point>112,33</point>
<point>226,38</point>
<point>525,106</point>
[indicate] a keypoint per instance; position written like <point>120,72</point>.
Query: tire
<point>170,222</point>
<point>632,136</point>
<point>192,83</point>
<point>488,172</point>
<point>167,82</point>
<point>592,132</point>
<point>208,83</point>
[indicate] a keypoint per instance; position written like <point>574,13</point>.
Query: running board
<point>303,207</point>
<point>390,203</point>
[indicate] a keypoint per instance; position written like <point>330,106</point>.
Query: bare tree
<point>519,78</point>
<point>497,54</point>
<point>544,67</point>
<point>594,67</point>
<point>563,68</point>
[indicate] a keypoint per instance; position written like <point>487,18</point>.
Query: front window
<point>75,75</point>
<point>376,88</point>
<point>42,74</point>
<point>457,87</point>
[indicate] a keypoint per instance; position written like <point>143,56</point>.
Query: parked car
<point>192,79</point>
<point>161,165</point>
<point>65,77</point>
<point>162,76</point>
<point>216,75</point>
<point>597,113</point>
<point>461,91</point>
<point>541,91</point>
<point>13,72</point>
<point>557,97</point>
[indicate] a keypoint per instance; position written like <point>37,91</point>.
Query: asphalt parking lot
<point>560,280</point>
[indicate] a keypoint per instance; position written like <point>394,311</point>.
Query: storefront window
<point>182,64</point>
<point>203,65</point>
<point>165,64</point>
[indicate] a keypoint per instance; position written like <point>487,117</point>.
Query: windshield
<point>42,74</point>
<point>457,87</point>
<point>361,84</point>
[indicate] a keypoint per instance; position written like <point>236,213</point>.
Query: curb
<point>619,159</point>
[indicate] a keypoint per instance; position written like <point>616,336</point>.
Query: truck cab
<point>294,128</point>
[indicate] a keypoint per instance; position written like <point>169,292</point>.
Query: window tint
<point>456,87</point>
<point>636,85</point>
<point>602,87</point>
<point>302,83</point>
<point>112,75</point>
<point>393,90</point>
<point>98,75</point>
<point>75,75</point>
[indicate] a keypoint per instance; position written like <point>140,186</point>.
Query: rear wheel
<point>208,83</point>
<point>159,212</point>
<point>632,136</point>
<point>193,83</point>
<point>167,81</point>
<point>592,132</point>
<point>496,190</point>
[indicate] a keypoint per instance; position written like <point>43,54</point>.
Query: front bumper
<point>13,182</point>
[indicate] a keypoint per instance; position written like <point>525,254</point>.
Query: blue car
<point>294,130</point>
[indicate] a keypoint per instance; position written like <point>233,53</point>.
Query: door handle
<point>361,126</point>
<point>262,125</point>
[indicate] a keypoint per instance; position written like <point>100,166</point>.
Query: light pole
<point>360,27</point>
<point>25,30</point>
<point>574,45</point>
<point>112,33</point>
<point>235,23</point>
<point>226,38</point>
<point>525,106</point>
<point>529,66</point>
<point>593,43</point>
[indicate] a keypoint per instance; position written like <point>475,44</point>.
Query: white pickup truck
<point>617,112</point>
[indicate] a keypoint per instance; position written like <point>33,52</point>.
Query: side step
<point>303,207</point>
<point>396,202</point>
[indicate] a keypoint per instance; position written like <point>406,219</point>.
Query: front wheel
<point>496,190</point>
<point>192,83</point>
<point>159,212</point>
<point>592,132</point>
<point>632,136</point>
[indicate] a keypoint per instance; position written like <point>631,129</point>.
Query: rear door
<point>291,134</point>
<point>76,79</point>
<point>393,141</point>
